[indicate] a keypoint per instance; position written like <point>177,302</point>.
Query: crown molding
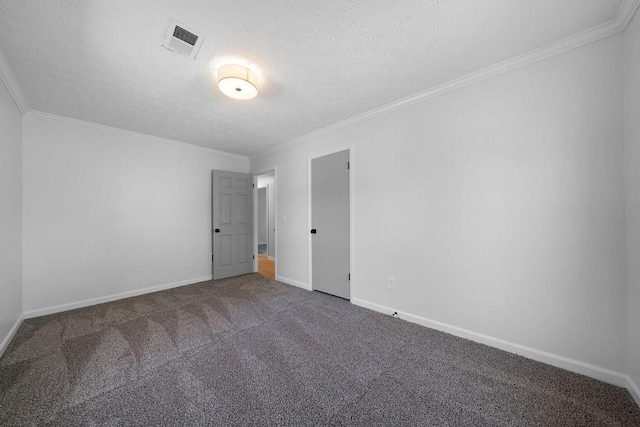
<point>12,85</point>
<point>61,119</point>
<point>624,14</point>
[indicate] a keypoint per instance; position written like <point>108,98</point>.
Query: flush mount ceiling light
<point>237,81</point>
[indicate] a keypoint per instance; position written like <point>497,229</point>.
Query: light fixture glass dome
<point>237,81</point>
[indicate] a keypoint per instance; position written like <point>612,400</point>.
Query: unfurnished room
<point>308,213</point>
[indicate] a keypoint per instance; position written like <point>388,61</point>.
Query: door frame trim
<point>255,174</point>
<point>318,154</point>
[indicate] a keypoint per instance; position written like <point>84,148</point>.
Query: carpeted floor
<point>253,351</point>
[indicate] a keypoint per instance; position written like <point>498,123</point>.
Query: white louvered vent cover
<point>182,39</point>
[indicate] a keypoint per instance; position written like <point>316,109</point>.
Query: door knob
<point>217,230</point>
<point>313,231</point>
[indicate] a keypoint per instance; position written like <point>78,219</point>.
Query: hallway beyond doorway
<point>266,266</point>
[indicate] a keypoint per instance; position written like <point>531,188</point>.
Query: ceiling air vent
<point>182,39</point>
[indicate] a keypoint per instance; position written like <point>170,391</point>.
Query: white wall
<point>10,213</point>
<point>632,157</point>
<point>268,180</point>
<point>498,208</point>
<point>108,211</point>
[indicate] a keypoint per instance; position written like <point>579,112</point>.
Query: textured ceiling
<point>323,60</point>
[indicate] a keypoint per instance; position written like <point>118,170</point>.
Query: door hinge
<point>253,185</point>
<point>211,257</point>
<point>254,257</point>
<point>349,276</point>
<point>348,165</point>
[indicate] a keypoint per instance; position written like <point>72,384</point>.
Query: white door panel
<point>232,224</point>
<point>330,247</point>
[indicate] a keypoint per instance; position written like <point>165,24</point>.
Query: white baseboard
<point>12,332</point>
<point>100,300</point>
<point>634,390</point>
<point>602,374</point>
<point>293,283</point>
<point>272,258</point>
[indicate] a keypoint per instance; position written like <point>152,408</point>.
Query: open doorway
<point>265,224</point>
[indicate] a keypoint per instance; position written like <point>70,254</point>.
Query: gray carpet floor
<point>253,351</point>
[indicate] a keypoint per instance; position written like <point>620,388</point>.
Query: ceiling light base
<point>238,82</point>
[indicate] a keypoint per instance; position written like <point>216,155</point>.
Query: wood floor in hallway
<point>266,266</point>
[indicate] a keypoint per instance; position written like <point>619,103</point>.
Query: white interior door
<point>232,224</point>
<point>330,246</point>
